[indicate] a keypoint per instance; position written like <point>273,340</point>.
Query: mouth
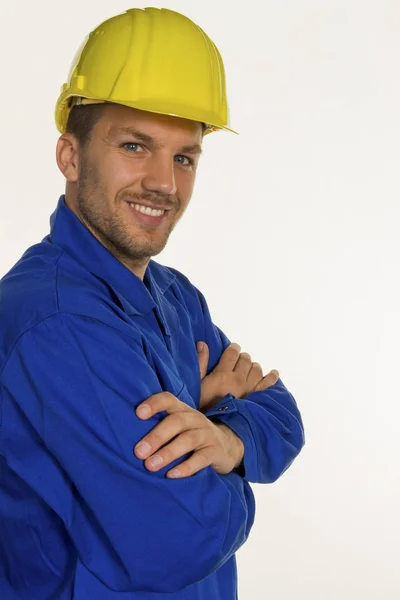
<point>148,215</point>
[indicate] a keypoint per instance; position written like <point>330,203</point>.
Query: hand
<point>235,374</point>
<point>214,444</point>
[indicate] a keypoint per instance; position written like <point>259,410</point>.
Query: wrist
<point>236,444</point>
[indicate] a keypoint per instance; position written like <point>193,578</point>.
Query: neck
<point>136,267</point>
<point>138,270</point>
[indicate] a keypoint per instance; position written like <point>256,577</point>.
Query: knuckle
<point>204,462</point>
<point>155,439</point>
<point>257,373</point>
<point>179,420</point>
<point>166,455</point>
<point>234,347</point>
<point>171,398</point>
<point>191,437</point>
<point>268,381</point>
<point>197,463</point>
<point>188,468</point>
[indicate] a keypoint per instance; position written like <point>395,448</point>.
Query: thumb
<point>203,356</point>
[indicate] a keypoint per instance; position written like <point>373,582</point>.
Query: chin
<point>145,252</point>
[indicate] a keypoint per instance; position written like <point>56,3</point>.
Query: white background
<point>292,235</point>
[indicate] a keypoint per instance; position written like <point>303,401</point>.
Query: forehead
<point>122,120</point>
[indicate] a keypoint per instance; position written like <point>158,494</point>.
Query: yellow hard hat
<point>151,59</point>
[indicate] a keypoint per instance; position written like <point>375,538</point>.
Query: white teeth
<point>146,210</point>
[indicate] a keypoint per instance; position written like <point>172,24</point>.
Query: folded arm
<point>77,383</point>
<point>268,421</point>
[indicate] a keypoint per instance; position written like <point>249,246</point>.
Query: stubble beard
<point>109,225</point>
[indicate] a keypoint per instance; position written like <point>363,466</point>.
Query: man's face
<point>136,162</point>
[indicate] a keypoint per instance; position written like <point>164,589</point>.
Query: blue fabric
<point>83,341</point>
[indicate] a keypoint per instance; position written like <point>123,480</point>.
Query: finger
<point>243,365</point>
<point>166,430</point>
<point>203,354</point>
<point>183,444</point>
<point>198,461</point>
<point>229,358</point>
<point>159,402</point>
<point>255,376</point>
<point>268,381</point>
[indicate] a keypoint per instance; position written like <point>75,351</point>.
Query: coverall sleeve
<point>268,421</point>
<point>77,383</point>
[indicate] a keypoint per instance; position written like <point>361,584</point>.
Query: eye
<point>132,147</point>
<point>179,158</point>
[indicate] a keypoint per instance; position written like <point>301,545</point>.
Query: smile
<point>146,210</point>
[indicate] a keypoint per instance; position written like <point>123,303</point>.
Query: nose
<point>160,176</point>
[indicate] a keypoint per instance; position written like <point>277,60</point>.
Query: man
<point>130,426</point>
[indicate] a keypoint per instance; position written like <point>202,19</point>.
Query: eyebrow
<point>147,139</point>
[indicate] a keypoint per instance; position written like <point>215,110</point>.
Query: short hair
<point>81,121</point>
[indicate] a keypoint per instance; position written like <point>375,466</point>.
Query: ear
<point>67,156</point>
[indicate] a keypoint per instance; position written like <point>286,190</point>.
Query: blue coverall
<point>83,341</point>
